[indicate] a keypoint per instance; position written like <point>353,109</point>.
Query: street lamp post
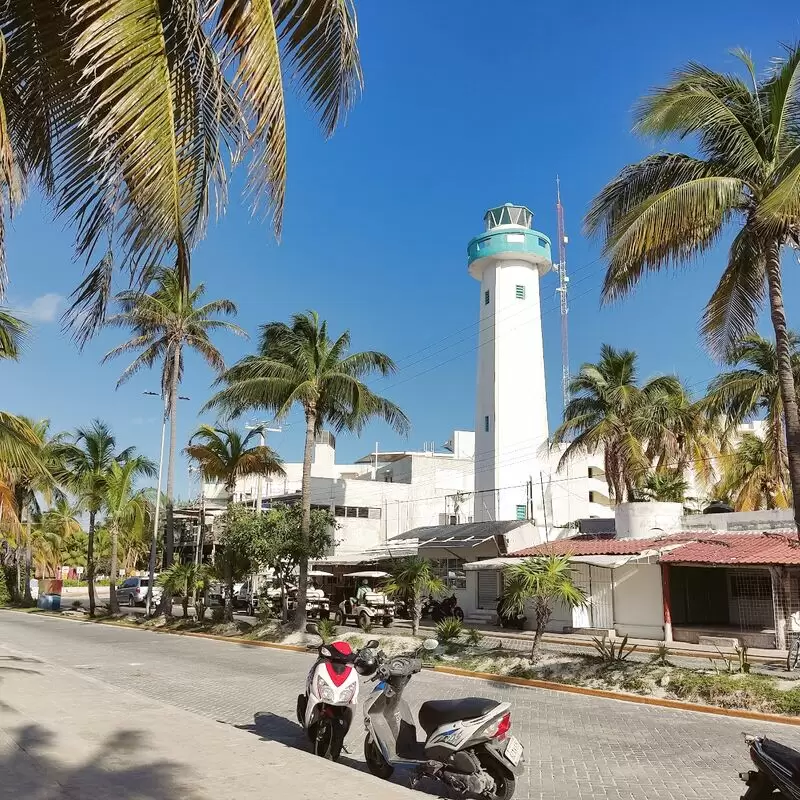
<point>262,429</point>
<point>154,539</point>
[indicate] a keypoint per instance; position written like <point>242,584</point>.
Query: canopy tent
<point>367,573</point>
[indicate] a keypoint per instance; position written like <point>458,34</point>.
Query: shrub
<point>5,589</point>
<point>327,630</point>
<point>448,630</point>
<point>610,653</point>
<point>661,657</point>
<point>474,637</point>
<point>76,604</point>
<point>264,613</point>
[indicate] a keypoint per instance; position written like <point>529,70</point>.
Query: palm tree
<point>753,388</point>
<point>183,579</point>
<point>90,459</point>
<point>545,580</point>
<point>665,486</point>
<point>125,510</point>
<point>413,579</point>
<point>29,483</point>
<point>13,332</point>
<point>225,456</point>
<point>607,412</point>
<point>671,207</point>
<point>300,364</point>
<point>165,323</point>
<point>128,121</point>
<point>750,479</point>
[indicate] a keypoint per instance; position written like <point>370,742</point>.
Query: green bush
<point>448,630</point>
<point>474,637</point>
<point>610,653</point>
<point>757,692</point>
<point>5,587</point>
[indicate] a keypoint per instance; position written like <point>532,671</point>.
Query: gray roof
<point>467,535</point>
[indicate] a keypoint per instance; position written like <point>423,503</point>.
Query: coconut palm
<point>752,389</point>
<point>125,510</point>
<point>750,479</point>
<point>29,483</point>
<point>127,119</point>
<point>13,332</point>
<point>681,433</point>
<point>413,579</point>
<point>672,207</point>
<point>62,517</point>
<point>165,323</point>
<point>225,456</point>
<point>90,458</point>
<point>544,580</point>
<point>665,486</point>
<point>607,412</point>
<point>183,579</point>
<point>299,363</point>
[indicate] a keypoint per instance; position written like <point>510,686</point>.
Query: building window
<point>542,242</point>
<point>338,511</point>
<point>520,512</point>
<point>520,292</point>
<point>358,512</point>
<point>363,512</point>
<point>486,298</point>
<point>486,423</point>
<point>451,571</point>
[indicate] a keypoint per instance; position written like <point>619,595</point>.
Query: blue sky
<point>466,105</point>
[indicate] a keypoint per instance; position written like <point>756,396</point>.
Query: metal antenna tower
<point>563,282</point>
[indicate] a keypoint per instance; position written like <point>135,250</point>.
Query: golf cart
<point>372,608</point>
<point>317,604</point>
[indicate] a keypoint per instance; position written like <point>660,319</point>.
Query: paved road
<point>576,747</point>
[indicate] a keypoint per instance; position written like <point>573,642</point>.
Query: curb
<point>530,683</point>
<point>679,705</point>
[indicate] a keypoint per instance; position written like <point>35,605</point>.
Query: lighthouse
<point>511,431</point>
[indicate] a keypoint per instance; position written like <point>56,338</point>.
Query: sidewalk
<point>66,735</point>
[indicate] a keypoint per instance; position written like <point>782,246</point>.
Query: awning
<point>491,564</point>
<point>610,562</point>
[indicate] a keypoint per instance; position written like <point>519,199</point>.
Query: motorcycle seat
<point>786,756</point>
<point>437,712</point>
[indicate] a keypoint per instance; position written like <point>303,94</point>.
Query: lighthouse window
<point>520,292</point>
<point>486,298</point>
<point>542,242</point>
<point>486,423</point>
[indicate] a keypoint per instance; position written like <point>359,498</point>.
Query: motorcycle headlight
<point>347,695</point>
<point>324,692</point>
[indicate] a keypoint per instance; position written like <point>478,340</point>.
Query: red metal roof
<point>693,547</point>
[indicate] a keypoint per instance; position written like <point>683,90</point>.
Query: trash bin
<point>49,594</point>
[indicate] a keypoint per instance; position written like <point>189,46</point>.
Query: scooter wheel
<point>376,763</point>
<point>324,741</point>
<point>504,782</point>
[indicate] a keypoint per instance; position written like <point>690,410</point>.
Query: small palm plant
<point>414,578</point>
<point>544,580</point>
<point>183,579</point>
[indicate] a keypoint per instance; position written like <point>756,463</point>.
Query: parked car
<point>133,592</point>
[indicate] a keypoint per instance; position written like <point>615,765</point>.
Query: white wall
<point>638,604</point>
<point>645,520</point>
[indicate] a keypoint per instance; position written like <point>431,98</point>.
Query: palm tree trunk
<point>785,375</point>
<point>305,520</point>
<point>169,523</point>
<point>90,564</point>
<point>28,597</point>
<point>113,606</point>
<point>416,615</point>
<point>542,618</point>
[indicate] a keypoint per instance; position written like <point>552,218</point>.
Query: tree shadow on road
<point>124,766</point>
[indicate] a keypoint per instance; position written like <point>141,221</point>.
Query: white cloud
<point>43,308</point>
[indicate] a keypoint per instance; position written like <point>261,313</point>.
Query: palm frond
<point>13,334</point>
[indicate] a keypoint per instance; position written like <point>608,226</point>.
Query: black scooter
<point>777,770</point>
<point>447,608</point>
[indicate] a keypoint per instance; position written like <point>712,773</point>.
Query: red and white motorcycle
<point>325,711</point>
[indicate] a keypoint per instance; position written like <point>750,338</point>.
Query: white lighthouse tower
<point>511,414</point>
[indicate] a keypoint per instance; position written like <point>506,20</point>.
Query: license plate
<point>513,751</point>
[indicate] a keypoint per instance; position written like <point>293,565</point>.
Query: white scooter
<point>467,745</point>
<point>325,711</point>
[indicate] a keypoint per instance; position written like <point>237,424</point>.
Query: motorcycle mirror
<point>373,644</point>
<point>430,644</point>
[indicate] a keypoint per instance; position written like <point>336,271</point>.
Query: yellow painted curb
<point>567,688</point>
